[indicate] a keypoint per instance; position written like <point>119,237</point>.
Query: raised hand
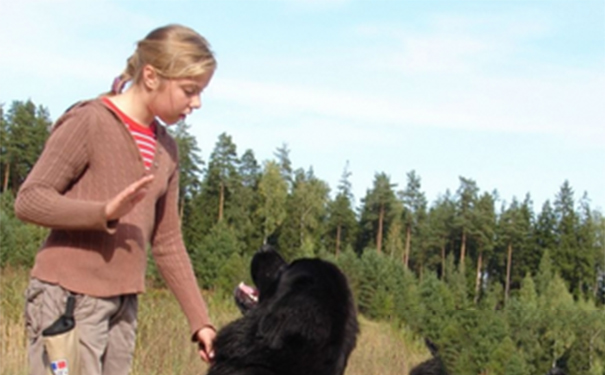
<point>125,201</point>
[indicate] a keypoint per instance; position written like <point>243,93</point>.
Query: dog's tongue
<point>246,297</point>
<point>248,290</point>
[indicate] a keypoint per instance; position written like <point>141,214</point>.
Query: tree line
<point>469,270</point>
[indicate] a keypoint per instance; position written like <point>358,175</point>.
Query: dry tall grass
<point>163,346</point>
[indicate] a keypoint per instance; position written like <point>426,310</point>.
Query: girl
<point>106,185</point>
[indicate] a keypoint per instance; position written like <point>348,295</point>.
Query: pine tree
<point>558,307</point>
<point>285,164</point>
<point>246,201</point>
<point>273,193</point>
<point>483,231</point>
<point>306,210</point>
<point>223,171</point>
<point>588,254</point>
<point>525,322</point>
<point>467,197</point>
<point>341,222</point>
<point>440,223</point>
<point>190,164</point>
<point>414,215</point>
<point>25,129</point>
<point>377,212</point>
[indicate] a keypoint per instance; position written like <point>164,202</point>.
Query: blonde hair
<point>174,51</point>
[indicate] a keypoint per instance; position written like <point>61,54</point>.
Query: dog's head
<point>266,268</point>
<point>284,291</point>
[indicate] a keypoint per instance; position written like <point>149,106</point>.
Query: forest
<point>500,285</point>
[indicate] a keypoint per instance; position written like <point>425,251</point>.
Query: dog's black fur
<point>432,366</point>
<point>304,323</point>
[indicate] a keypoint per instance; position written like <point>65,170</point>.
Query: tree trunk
<point>379,234</point>
<point>221,202</point>
<point>478,280</point>
<point>443,262</point>
<point>463,249</point>
<point>338,239</point>
<point>508,269</point>
<point>408,240</point>
<point>6,175</point>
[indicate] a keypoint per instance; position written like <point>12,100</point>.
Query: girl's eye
<point>190,91</point>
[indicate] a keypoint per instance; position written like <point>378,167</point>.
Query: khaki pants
<point>106,328</point>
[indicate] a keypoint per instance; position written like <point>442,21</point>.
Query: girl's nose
<point>196,102</point>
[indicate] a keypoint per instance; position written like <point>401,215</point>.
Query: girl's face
<point>176,98</point>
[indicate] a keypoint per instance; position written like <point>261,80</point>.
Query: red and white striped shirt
<point>144,136</point>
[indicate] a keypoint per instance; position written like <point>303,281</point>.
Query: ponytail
<point>127,75</point>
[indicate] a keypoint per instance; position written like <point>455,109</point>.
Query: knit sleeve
<point>40,199</point>
<point>173,261</point>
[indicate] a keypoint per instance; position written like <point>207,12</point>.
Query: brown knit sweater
<point>88,159</point>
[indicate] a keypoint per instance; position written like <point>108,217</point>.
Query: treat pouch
<point>61,343</point>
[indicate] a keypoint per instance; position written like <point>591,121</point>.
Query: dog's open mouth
<point>246,297</point>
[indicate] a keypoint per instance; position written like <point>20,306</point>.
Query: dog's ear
<point>265,267</point>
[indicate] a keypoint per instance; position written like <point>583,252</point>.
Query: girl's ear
<point>151,79</point>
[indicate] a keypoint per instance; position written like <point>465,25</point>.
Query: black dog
<point>301,320</point>
<point>432,366</point>
<point>435,366</point>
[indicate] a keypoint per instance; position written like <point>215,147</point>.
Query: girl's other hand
<point>125,201</point>
<point>205,338</point>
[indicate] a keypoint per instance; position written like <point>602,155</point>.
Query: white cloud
<point>568,103</point>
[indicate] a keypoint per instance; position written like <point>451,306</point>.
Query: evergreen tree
<point>377,212</point>
<point>525,321</point>
<point>377,289</point>
<point>440,223</point>
<point>246,201</point>
<point>25,129</point>
<point>414,214</point>
<point>211,254</point>
<point>465,205</point>
<point>510,232</point>
<point>437,304</point>
<point>19,241</point>
<point>527,254</point>
<point>223,174</point>
<point>587,354</point>
<point>588,254</point>
<point>218,186</point>
<point>545,228</point>
<point>190,186</point>
<point>394,246</point>
<point>273,193</point>
<point>341,222</point>
<point>190,164</point>
<point>483,231</point>
<point>285,164</point>
<point>558,307</point>
<point>574,260</point>
<point>506,359</point>
<point>306,210</point>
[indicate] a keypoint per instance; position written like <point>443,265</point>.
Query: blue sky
<point>510,94</point>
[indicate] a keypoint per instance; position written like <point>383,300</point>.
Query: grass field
<point>163,345</point>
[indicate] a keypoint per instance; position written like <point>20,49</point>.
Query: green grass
<point>164,346</point>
